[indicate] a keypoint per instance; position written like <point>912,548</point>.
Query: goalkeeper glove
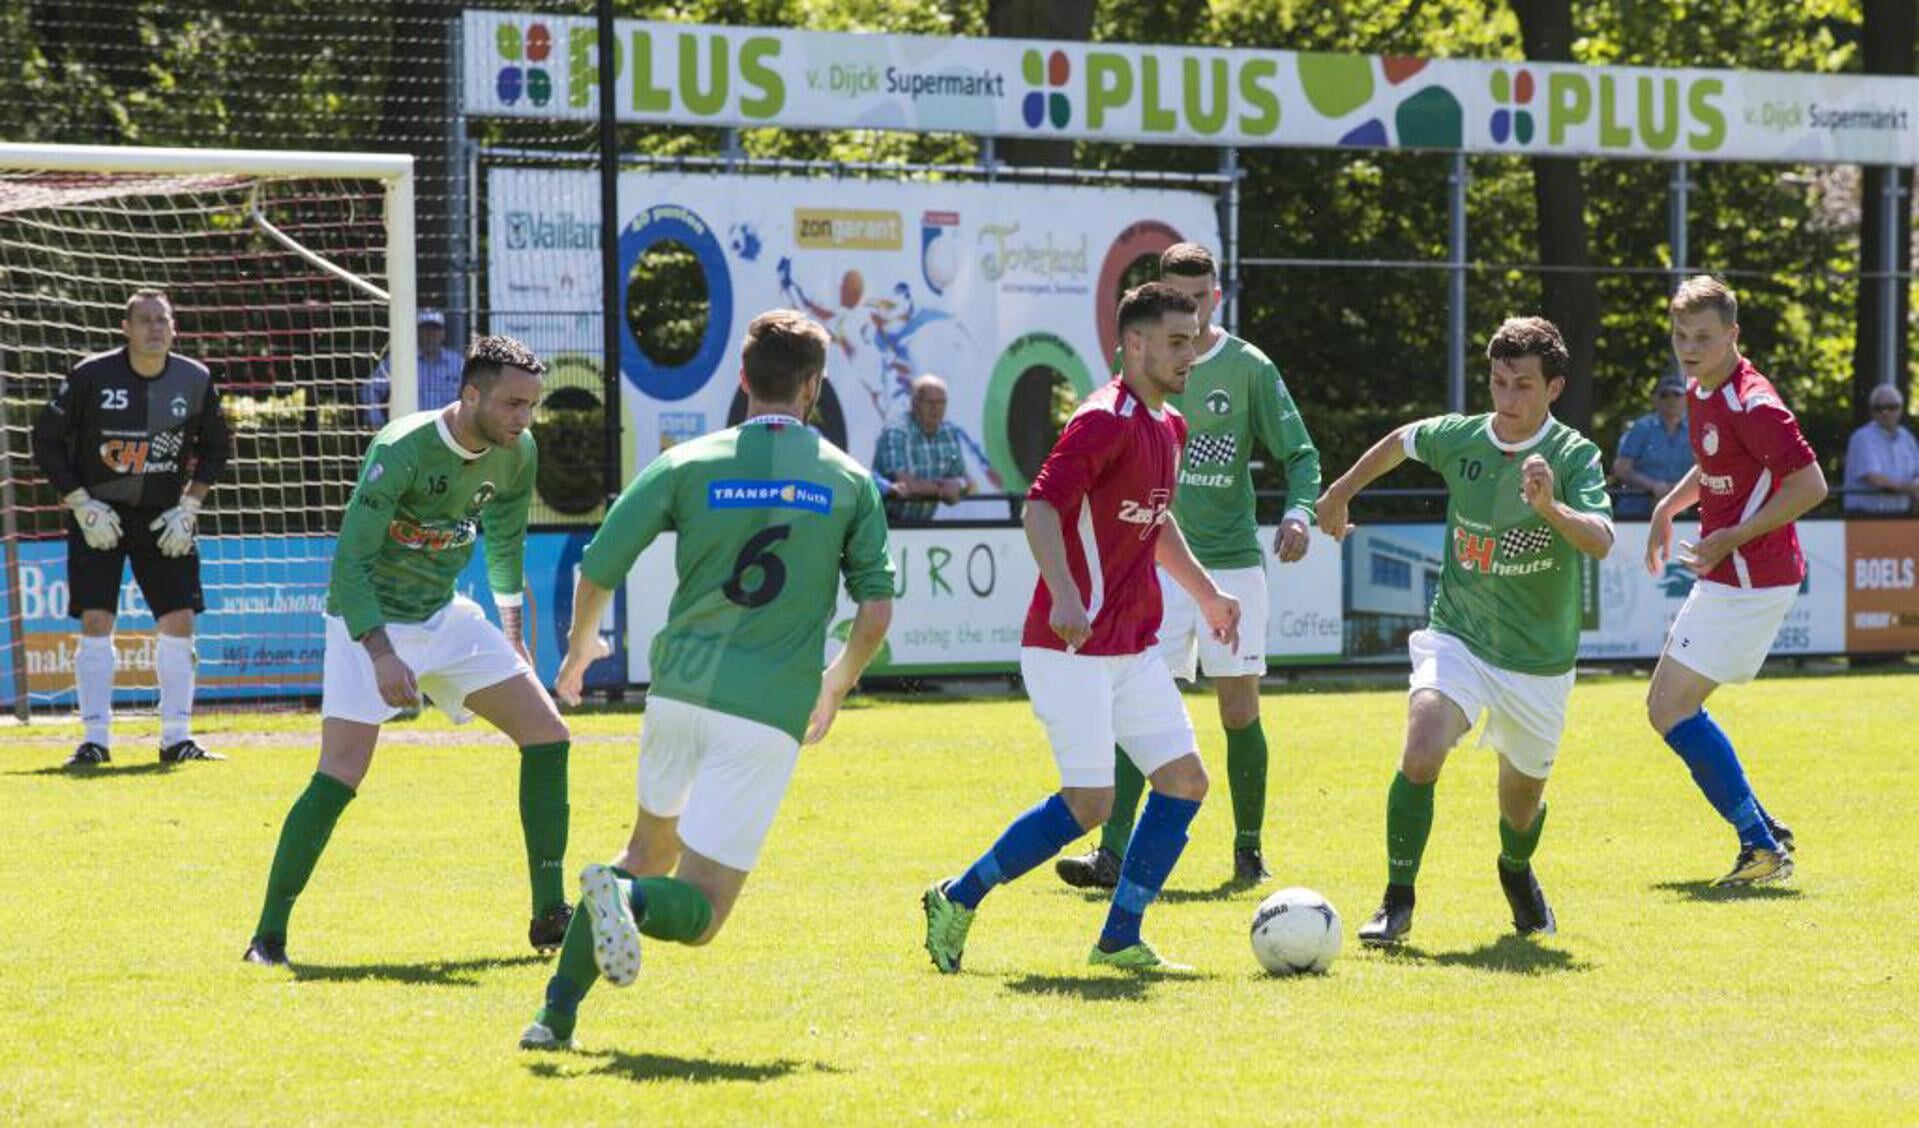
<point>175,527</point>
<point>99,523</point>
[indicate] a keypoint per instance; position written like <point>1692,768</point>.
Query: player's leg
<point>1246,772</point>
<point>1526,719</point>
<point>1447,693</point>
<point>1069,693</point>
<point>1157,733</point>
<point>520,708</point>
<point>171,585</point>
<point>1522,819</point>
<point>346,752</point>
<point>93,583</point>
<point>1720,636</point>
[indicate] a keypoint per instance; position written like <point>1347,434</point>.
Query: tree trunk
<point>1559,196</point>
<point>1038,19</point>
<point>1891,27</point>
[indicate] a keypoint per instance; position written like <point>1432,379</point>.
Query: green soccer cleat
<point>616,935</point>
<point>946,927</point>
<point>538,1037</point>
<point>1138,957</point>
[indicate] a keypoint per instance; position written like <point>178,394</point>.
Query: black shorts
<point>94,577</point>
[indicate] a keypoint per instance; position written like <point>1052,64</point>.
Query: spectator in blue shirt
<point>439,372</point>
<point>1655,451</point>
<point>1882,460</point>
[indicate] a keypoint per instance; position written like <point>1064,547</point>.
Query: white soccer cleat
<point>538,1037</point>
<point>616,935</point>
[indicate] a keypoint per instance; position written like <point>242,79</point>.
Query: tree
<point>1890,29</point>
<point>1559,196</point>
<point>1038,19</point>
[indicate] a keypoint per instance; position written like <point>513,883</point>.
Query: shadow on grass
<point>1224,891</point>
<point>666,1067</point>
<point>1096,987</point>
<point>1511,953</point>
<point>150,767</point>
<point>1707,891</point>
<point>435,973</point>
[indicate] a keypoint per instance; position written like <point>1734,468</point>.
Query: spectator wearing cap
<point>1655,451</point>
<point>1882,459</point>
<point>439,372</point>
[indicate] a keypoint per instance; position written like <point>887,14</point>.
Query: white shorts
<point>1724,633</point>
<point>1090,702</point>
<point>452,654</point>
<point>1526,712</point>
<point>722,776</point>
<point>1186,644</point>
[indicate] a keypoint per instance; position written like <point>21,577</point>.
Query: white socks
<point>176,668</point>
<point>93,680</point>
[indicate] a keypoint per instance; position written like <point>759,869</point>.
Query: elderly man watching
<point>1655,451</point>
<point>1882,460</point>
<point>920,463</point>
<point>438,368</point>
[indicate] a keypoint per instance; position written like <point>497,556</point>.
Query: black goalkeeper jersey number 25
<point>129,439</point>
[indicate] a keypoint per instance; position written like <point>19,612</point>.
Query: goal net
<point>291,278</point>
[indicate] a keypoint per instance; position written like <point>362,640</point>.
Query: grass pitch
<point>129,894</point>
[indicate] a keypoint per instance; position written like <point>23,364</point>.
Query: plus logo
<point>1048,74</point>
<point>523,52</point>
<point>1514,90</point>
<point>1474,552</point>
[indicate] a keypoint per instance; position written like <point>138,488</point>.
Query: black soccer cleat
<point>180,752</point>
<point>1757,865</point>
<point>1098,868</point>
<point>88,755</point>
<point>1393,920</point>
<point>548,930</point>
<point>267,951</point>
<point>1531,914</point>
<point>1249,866</point>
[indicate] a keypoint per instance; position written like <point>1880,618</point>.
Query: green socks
<point>1128,786</point>
<point>1246,779</point>
<point>1409,819</point>
<point>302,839</point>
<point>670,909</point>
<point>573,976</point>
<point>1516,846</point>
<point>543,819</point>
<point>666,909</point>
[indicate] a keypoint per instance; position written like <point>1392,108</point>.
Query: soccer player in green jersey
<point>768,517</point>
<point>431,483</point>
<point>1526,496</point>
<point>1234,396</point>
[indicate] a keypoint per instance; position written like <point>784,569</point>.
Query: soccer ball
<point>1295,930</point>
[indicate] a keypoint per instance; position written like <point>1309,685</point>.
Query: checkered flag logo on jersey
<point>1515,543</point>
<point>1201,449</point>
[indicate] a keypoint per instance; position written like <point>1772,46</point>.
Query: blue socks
<point>1703,745</point>
<point>1034,837</point>
<point>1158,838</point>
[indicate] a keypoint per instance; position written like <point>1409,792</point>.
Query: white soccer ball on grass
<point>1295,931</point>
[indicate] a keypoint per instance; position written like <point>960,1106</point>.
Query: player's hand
<point>571,681</point>
<point>176,527</point>
<point>395,678</point>
<point>1709,553</point>
<point>1070,623</point>
<point>1292,540</point>
<point>1222,618</point>
<point>827,707</point>
<point>99,522</point>
<point>1658,544</point>
<point>1537,484</point>
<point>1331,508</point>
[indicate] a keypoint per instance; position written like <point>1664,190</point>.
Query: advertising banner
<point>1006,291</point>
<point>961,596</point>
<point>1882,585</point>
<point>519,64</point>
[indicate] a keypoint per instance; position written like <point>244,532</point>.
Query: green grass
<point>128,896</point>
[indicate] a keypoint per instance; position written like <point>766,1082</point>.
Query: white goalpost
<point>292,279</point>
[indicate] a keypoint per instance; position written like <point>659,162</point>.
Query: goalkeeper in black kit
<point>133,439</point>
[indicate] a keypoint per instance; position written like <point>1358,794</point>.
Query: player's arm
<point>1771,433</point>
<point>643,511</point>
<point>1282,431</point>
<point>1047,538</point>
<point>1084,450</point>
<point>1585,518</point>
<point>503,521</point>
<point>213,448</point>
<point>363,531</point>
<point>1384,456</point>
<point>60,420</point>
<point>1220,609</point>
<point>1683,496</point>
<point>867,563</point>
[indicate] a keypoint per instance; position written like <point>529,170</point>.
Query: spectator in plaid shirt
<point>920,463</point>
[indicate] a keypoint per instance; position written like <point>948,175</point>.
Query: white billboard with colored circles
<point>1006,291</point>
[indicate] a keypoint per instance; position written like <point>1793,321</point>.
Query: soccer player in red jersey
<point>1754,476</point>
<point>1098,518</point>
